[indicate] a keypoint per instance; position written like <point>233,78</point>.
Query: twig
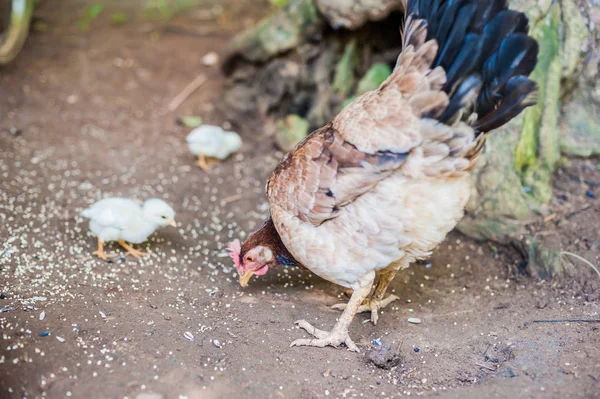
<point>485,367</point>
<point>231,198</point>
<point>568,321</point>
<point>487,349</point>
<point>578,211</point>
<point>549,217</point>
<point>186,92</point>
<point>587,262</point>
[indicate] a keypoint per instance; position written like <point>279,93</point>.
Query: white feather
<point>213,142</point>
<point>113,219</point>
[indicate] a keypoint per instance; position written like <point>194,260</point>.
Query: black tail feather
<point>520,93</point>
<point>482,46</point>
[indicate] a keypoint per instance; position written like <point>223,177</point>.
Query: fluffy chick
<point>212,144</point>
<point>124,220</point>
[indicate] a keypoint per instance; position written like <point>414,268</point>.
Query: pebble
<point>42,315</point>
<point>15,131</point>
<point>589,193</point>
<point>44,333</point>
<point>189,336</point>
<point>210,59</point>
<point>417,350</point>
<point>60,339</point>
<point>414,320</point>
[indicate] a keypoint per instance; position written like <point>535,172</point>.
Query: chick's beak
<point>245,277</point>
<point>173,223</point>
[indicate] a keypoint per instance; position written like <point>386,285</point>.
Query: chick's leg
<point>205,163</point>
<point>376,301</point>
<point>100,252</point>
<point>339,334</point>
<point>131,250</point>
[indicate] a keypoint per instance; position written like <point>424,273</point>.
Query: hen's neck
<point>268,236</point>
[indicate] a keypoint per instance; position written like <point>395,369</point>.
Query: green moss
<point>374,77</point>
<point>575,35</point>
<point>538,148</point>
<point>290,131</point>
<point>281,32</point>
<point>344,77</point>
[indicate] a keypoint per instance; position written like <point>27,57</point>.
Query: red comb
<point>235,248</point>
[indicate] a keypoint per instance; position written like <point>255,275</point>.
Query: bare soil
<point>91,111</point>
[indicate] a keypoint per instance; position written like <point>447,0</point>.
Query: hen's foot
<point>370,305</point>
<point>132,251</point>
<point>324,338</point>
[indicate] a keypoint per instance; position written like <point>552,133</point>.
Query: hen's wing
<point>325,173</point>
<point>463,71</point>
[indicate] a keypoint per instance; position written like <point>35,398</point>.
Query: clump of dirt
<point>383,356</point>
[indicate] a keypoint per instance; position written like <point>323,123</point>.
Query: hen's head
<point>262,249</point>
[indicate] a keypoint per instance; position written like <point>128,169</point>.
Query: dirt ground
<point>91,111</point>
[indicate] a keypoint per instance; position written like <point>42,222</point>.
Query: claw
<point>323,338</point>
<point>132,251</point>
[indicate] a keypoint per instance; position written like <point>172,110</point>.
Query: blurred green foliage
<point>118,18</point>
<point>89,15</point>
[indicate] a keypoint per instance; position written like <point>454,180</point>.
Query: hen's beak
<point>173,223</point>
<point>244,278</point>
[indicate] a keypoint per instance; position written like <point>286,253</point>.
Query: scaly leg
<point>205,164</point>
<point>339,333</point>
<point>100,252</point>
<point>376,301</point>
<point>131,250</point>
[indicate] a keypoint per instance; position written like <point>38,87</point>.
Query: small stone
<point>14,131</point>
<point>210,59</point>
<point>42,315</point>
<point>60,339</point>
<point>189,336</point>
<point>414,320</point>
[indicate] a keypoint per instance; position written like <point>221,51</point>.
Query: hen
<point>382,184</point>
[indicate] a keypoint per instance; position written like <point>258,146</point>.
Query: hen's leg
<point>376,301</point>
<point>131,250</point>
<point>100,252</point>
<point>339,333</point>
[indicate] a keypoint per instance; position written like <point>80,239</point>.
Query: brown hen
<point>382,184</point>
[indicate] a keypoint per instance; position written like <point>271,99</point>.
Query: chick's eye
<point>164,217</point>
<point>249,258</point>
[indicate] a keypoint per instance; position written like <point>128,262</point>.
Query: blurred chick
<point>124,220</point>
<point>212,144</point>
